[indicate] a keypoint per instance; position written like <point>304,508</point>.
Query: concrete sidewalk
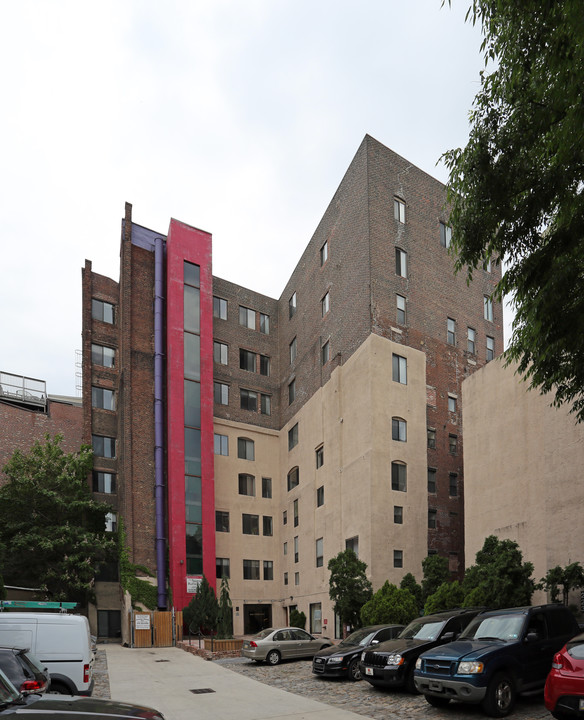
<point>164,678</point>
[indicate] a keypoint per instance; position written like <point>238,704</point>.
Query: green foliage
<point>52,529</point>
<point>201,614</point>
<point>516,188</point>
<point>448,596</point>
<point>435,569</point>
<point>225,614</point>
<point>389,604</point>
<point>499,578</point>
<point>297,619</point>
<point>408,582</point>
<point>349,588</point>
<point>569,578</point>
<point>141,591</point>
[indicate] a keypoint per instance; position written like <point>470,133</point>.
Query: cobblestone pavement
<point>101,688</point>
<point>363,698</point>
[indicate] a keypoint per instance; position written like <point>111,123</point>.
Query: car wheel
<point>354,671</point>
<point>273,657</point>
<point>437,702</point>
<point>500,696</point>
<point>57,688</point>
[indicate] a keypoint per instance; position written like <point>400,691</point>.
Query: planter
<point>223,645</point>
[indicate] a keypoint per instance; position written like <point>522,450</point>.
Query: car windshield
<point>263,634</point>
<point>497,627</point>
<point>575,648</point>
<point>420,630</point>
<point>8,693</point>
<point>359,637</point>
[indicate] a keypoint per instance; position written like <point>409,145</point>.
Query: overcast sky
<point>239,117</point>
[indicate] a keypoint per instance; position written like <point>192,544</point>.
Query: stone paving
<point>101,688</point>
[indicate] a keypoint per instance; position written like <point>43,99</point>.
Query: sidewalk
<point>164,678</point>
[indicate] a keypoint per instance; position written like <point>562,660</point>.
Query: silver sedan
<point>275,644</point>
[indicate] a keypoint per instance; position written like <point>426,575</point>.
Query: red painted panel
<point>188,243</point>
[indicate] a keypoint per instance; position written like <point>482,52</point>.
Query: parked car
<point>501,653</point>
<point>275,644</point>
<point>391,664</point>
<point>14,705</point>
<point>23,670</point>
<point>344,658</point>
<point>564,687</point>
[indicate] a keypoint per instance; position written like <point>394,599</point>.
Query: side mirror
<point>531,637</point>
<point>448,636</point>
<point>375,642</point>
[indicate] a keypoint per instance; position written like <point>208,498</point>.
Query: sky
<point>239,117</point>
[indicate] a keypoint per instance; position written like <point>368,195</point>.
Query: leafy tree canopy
<point>448,596</point>
<point>516,189</point>
<point>389,604</point>
<point>436,572</point>
<point>569,578</point>
<point>349,588</point>
<point>408,582</point>
<point>499,578</point>
<point>52,530</point>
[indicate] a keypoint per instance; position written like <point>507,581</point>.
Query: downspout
<point>159,420</point>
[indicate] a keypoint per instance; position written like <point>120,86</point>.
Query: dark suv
<point>501,653</point>
<point>391,664</point>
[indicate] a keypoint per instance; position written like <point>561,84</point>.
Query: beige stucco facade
<point>522,465</point>
<point>350,417</point>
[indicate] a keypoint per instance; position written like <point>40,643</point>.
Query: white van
<point>61,642</point>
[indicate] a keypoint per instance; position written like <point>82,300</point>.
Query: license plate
<point>435,685</point>
<point>581,705</point>
<point>368,671</point>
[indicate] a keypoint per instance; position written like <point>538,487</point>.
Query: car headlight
<point>395,659</point>
<point>419,664</point>
<point>470,668</point>
<point>363,656</point>
<point>335,660</point>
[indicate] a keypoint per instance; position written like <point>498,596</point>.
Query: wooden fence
<point>158,628</point>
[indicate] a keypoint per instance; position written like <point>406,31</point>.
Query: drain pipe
<point>159,421</point>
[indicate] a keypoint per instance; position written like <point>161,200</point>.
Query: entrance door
<point>256,618</point>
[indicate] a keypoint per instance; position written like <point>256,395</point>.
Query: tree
<point>389,604</point>
<point>516,188</point>
<point>52,530</point>
<point>297,619</point>
<point>436,572</point>
<point>408,582</point>
<point>225,614</point>
<point>570,577</point>
<point>448,596</point>
<point>349,588</point>
<point>201,614</point>
<point>499,578</point>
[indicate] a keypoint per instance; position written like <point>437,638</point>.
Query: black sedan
<point>343,659</point>
<point>23,670</point>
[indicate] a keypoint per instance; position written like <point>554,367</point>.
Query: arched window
<point>293,478</point>
<point>245,449</point>
<point>399,478</point>
<point>398,429</point>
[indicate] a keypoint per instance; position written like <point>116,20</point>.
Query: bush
<point>389,604</point>
<point>297,619</point>
<point>448,596</point>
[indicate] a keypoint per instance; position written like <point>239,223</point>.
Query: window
<point>293,478</point>
<point>285,578</point>
<point>221,393</point>
<point>264,365</point>
<point>293,347</point>
<point>104,356</point>
<point>111,522</point>
<point>104,482</point>
<point>399,476</point>
<point>296,578</point>
<point>325,353</point>
<point>285,548</point>
<point>247,360</point>
<point>399,210</point>
<point>325,304</point>
<point>293,437</point>
<point>292,306</point>
<point>401,309</point>
<point>445,235</point>
<point>250,524</point>
<point>248,400</point>
<point>324,253</point>
<point>451,403</point>
<point>291,392</point>
<point>487,265</point>
<point>401,263</point>
<point>220,352</point>
<point>221,521</point>
<point>221,567</point>
<point>296,549</point>
<point>295,512</point>
<point>320,496</point>
<point>220,308</point>
<point>451,331</point>
<point>251,569</point>
<point>245,449</point>
<point>452,444</point>
<point>268,570</point>
<point>110,572</point>
<point>246,484</point>
<point>264,324</point>
<point>103,311</point>
<point>319,452</point>
<point>398,514</point>
<point>320,552</point>
<point>104,447</point>
<point>398,429</point>
<point>431,518</point>
<point>221,444</point>
<point>268,526</point>
<point>285,517</point>
<point>247,317</point>
<point>431,438</point>
<point>453,484</point>
<point>490,348</point>
<point>432,480</point>
<point>488,308</point>
<point>103,398</point>
<point>266,487</point>
<point>266,404</point>
<point>398,558</point>
<point>471,341</point>
<point>353,544</point>
<point>400,369</point>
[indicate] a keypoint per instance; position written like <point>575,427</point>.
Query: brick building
<point>257,437</point>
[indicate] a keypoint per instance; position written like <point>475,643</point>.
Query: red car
<point>564,687</point>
